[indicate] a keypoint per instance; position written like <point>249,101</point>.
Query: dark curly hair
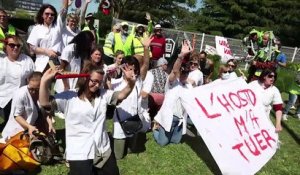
<point>39,16</point>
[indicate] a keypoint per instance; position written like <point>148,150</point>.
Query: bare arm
<point>64,10</point>
<point>145,66</point>
<point>43,51</point>
<point>278,115</point>
<point>176,67</point>
<point>44,90</point>
<point>83,11</point>
<point>25,125</point>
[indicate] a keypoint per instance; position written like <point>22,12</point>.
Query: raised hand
<point>50,74</point>
<point>146,41</point>
<point>148,16</point>
<point>129,75</point>
<point>185,49</point>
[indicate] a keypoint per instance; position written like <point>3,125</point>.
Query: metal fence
<point>292,53</point>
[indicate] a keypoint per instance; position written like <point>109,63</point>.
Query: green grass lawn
<point>192,156</point>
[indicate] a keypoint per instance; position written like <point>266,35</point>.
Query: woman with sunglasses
<point>270,95</point>
<point>15,68</point>
<point>45,39</point>
<point>87,142</point>
<point>195,77</point>
<point>25,113</point>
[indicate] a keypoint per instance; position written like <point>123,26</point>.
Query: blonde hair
<point>73,16</point>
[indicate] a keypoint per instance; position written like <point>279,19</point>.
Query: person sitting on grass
<point>25,110</point>
<point>170,121</point>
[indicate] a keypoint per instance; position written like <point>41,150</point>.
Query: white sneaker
<point>284,117</point>
<point>59,115</point>
<point>298,115</point>
<point>293,107</point>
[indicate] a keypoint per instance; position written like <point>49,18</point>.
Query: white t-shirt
<point>147,86</point>
<point>197,76</point>
<point>22,105</point>
<point>13,75</point>
<point>68,35</point>
<point>128,107</point>
<point>49,38</point>
<point>270,96</point>
<point>172,105</point>
<point>85,124</point>
<point>74,66</point>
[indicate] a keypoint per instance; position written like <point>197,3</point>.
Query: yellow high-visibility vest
<point>87,28</point>
<point>11,31</point>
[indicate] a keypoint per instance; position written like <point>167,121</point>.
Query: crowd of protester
<point>128,72</point>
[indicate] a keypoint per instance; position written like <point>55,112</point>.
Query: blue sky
<point>93,6</point>
<point>58,3</point>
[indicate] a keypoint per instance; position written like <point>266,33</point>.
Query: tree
<point>235,18</point>
<point>163,12</point>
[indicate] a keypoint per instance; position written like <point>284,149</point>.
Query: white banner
<point>210,50</point>
<point>223,49</point>
<point>230,117</point>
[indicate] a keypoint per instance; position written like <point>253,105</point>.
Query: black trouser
<point>110,167</point>
<point>6,112</point>
<point>81,167</point>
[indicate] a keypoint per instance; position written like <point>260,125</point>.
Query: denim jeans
<point>163,137</point>
<point>291,102</point>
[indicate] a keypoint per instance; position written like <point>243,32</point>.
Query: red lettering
<point>255,152</point>
<point>240,123</point>
<point>227,51</point>
<point>249,94</point>
<point>225,104</point>
<point>251,144</point>
<point>238,147</point>
<point>231,95</point>
<point>253,118</point>
<point>244,101</point>
<point>267,137</point>
<point>259,141</point>
<point>205,111</point>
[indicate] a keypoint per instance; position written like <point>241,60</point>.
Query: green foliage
<point>105,23</point>
<point>235,18</point>
<point>164,12</point>
<point>216,59</point>
<point>293,66</point>
<point>285,77</point>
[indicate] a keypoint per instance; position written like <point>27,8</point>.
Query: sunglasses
<point>194,64</point>
<point>95,82</point>
<point>231,65</point>
<point>225,72</point>
<point>49,14</point>
<point>33,90</point>
<point>12,45</point>
<point>271,76</point>
<point>3,16</point>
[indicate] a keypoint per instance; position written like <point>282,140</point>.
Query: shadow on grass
<point>293,134</point>
<point>200,148</point>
